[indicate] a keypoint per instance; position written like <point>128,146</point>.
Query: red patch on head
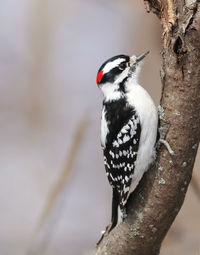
<point>99,76</point>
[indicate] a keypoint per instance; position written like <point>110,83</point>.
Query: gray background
<point>50,52</point>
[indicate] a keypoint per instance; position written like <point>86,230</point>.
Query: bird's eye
<point>122,66</point>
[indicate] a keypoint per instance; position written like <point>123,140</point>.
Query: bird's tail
<point>118,209</point>
<point>115,206</point>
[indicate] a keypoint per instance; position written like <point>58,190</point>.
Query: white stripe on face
<point>122,76</point>
<point>111,65</point>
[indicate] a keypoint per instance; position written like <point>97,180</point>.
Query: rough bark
<point>153,206</point>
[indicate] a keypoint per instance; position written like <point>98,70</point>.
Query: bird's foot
<point>164,142</point>
<point>168,147</point>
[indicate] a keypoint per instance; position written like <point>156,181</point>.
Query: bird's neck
<point>117,91</point>
<point>111,92</point>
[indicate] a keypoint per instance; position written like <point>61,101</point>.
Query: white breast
<point>138,97</point>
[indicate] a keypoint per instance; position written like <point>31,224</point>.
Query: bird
<point>129,125</point>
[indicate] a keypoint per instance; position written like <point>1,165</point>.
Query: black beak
<point>141,56</point>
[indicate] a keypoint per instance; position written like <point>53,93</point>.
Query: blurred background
<point>54,194</point>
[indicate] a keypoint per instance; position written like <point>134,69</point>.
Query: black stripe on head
<point>110,75</point>
<point>125,57</point>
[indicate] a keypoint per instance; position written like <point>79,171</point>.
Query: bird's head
<point>115,72</point>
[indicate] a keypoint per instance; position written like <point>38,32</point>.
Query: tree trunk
<point>153,206</point>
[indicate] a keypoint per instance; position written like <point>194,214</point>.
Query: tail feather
<point>118,209</point>
<point>115,204</point>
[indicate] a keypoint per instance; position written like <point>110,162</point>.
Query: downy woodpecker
<point>128,127</point>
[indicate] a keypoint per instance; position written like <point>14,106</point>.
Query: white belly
<point>144,105</point>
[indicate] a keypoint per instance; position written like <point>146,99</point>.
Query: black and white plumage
<point>128,126</point>
<point>122,145</point>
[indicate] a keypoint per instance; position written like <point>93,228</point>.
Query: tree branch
<point>153,206</point>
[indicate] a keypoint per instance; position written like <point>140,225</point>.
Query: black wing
<point>120,157</point>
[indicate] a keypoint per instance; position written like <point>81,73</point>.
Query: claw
<point>164,142</point>
<point>171,152</point>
